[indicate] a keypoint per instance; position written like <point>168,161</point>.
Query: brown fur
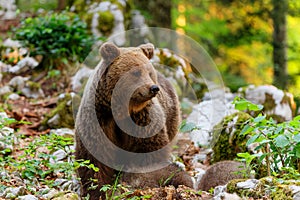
<point>170,175</point>
<point>135,63</point>
<point>221,173</point>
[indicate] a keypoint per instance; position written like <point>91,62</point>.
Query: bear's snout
<point>154,89</point>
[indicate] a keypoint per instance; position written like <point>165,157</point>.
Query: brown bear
<point>127,121</point>
<point>221,173</point>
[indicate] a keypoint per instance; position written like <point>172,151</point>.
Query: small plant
<point>118,191</point>
<point>7,135</point>
<point>163,182</point>
<point>278,143</point>
<point>187,126</point>
<point>56,37</point>
<point>121,194</point>
<point>34,163</point>
<point>110,190</point>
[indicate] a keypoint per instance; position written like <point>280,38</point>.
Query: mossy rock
<point>64,112</point>
<point>189,83</point>
<point>169,61</point>
<point>227,139</point>
<point>227,142</point>
<point>267,187</point>
<point>66,196</point>
<point>106,22</point>
<point>34,86</point>
<point>278,104</point>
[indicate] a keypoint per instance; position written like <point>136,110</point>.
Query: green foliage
<point>110,191</point>
<point>56,37</point>
<point>10,137</point>
<point>243,104</point>
<point>34,163</point>
<point>237,34</point>
<point>6,121</point>
<point>227,140</point>
<point>187,126</point>
<point>118,191</point>
<point>279,143</point>
<point>163,182</point>
<point>35,5</point>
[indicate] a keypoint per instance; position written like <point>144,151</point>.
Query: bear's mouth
<point>140,101</point>
<point>137,107</point>
<point>141,97</point>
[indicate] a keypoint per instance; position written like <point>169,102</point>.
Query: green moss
<point>282,192</point>
<point>34,86</point>
<point>259,168</point>
<point>228,142</point>
<point>65,195</point>
<point>169,61</point>
<point>232,188</point>
<point>227,138</point>
<point>106,22</point>
<point>267,186</point>
<point>88,19</point>
<point>79,5</point>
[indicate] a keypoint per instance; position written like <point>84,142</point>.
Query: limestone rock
<point>5,90</point>
<point>67,196</point>
<point>4,67</point>
<point>24,65</point>
<point>227,141</point>
<point>9,42</point>
<point>49,193</point>
<point>264,188</point>
<point>248,184</point>
<point>7,138</point>
<point>27,197</point>
<point>66,132</point>
<point>14,96</point>
<point>277,104</point>
<point>13,192</point>
<point>32,90</point>
<point>206,115</point>
<point>8,9</point>
<point>63,114</point>
<point>78,79</point>
<point>114,19</point>
<point>18,82</point>
<point>59,155</point>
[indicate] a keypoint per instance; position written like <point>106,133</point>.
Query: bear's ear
<point>109,52</point>
<point>148,49</point>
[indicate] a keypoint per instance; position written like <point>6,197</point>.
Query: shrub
<point>57,37</point>
<point>279,143</point>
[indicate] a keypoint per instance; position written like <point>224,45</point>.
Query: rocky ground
<point>37,137</point>
<point>36,125</point>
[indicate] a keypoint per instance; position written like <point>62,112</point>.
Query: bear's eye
<point>137,73</point>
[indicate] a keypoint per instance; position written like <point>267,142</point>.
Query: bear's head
<point>129,72</point>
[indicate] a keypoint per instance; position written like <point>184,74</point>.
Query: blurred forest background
<point>251,41</point>
<point>47,54</point>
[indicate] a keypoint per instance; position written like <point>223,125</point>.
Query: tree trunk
<point>61,4</point>
<point>158,11</point>
<point>279,12</point>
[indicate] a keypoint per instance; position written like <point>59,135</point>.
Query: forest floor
<point>30,164</point>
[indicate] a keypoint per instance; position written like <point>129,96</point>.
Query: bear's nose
<point>154,89</point>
